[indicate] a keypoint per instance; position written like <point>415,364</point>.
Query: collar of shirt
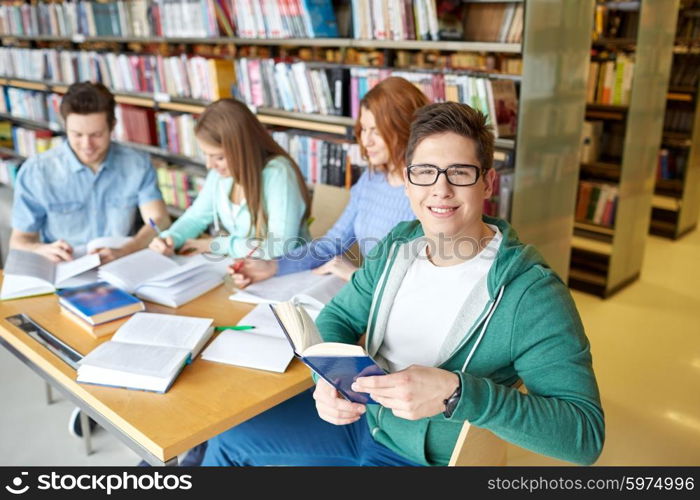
<point>76,165</point>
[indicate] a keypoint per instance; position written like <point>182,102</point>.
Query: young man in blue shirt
<point>86,188</point>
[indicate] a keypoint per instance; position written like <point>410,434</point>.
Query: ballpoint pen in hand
<point>153,225</point>
<point>237,266</point>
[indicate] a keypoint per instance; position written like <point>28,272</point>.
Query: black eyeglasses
<point>425,174</point>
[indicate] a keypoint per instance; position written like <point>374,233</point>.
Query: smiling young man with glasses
<point>457,310</point>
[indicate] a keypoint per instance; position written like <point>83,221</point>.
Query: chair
<point>326,206</point>
<point>479,446</point>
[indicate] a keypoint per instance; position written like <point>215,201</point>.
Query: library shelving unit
<point>551,105</point>
<point>605,259</point>
<point>676,200</point>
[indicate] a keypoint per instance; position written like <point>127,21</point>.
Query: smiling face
<point>89,137</point>
<point>214,156</point>
<point>444,209</point>
<point>372,141</point>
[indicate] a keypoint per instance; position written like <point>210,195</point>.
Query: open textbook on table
<point>157,278</point>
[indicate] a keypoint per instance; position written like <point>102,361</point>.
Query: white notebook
<point>147,352</point>
<point>264,348</point>
<point>312,290</point>
<point>28,273</point>
<point>157,278</point>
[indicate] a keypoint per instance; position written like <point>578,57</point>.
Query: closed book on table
<point>99,302</point>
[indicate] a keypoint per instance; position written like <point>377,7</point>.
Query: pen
<point>237,266</point>
<point>153,225</point>
<point>238,327</point>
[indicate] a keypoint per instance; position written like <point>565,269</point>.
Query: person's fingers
<point>62,254</point>
<point>241,281</point>
<point>64,245</point>
<point>169,241</point>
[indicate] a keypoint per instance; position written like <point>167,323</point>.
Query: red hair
<point>394,103</point>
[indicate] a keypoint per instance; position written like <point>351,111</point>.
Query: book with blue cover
<point>319,18</point>
<point>99,302</point>
<point>337,363</point>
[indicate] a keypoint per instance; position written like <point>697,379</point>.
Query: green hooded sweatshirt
<point>529,330</point>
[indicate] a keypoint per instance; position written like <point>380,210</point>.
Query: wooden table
<point>206,399</point>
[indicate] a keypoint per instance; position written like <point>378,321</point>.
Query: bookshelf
<point>607,257</point>
<point>554,50</point>
<point>676,200</point>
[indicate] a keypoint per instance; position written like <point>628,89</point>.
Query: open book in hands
<point>338,364</point>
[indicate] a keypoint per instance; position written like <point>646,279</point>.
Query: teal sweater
<point>529,330</point>
<point>283,205</point>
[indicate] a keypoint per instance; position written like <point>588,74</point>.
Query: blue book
<point>338,364</point>
<point>99,303</point>
<point>319,19</point>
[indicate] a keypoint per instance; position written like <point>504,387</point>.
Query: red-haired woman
<point>377,200</point>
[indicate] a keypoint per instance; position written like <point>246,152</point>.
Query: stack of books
<point>98,308</point>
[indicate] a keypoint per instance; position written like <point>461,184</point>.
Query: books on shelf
<point>493,22</point>
<point>98,303</point>
<point>436,20</point>
<point>611,21</point>
<point>27,273</point>
<point>172,18</point>
<point>679,120</point>
<point>671,164</point>
<point>8,170</point>
<point>147,352</point>
<point>338,364</point>
<point>610,80</point>
<point>175,133</point>
<point>179,187</point>
<point>28,142</point>
<point>597,203</point>
<point>156,278</point>
<point>323,159</point>
<point>263,348</point>
<point>196,77</point>
<point>134,124</point>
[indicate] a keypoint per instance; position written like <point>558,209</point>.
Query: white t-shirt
<point>426,305</point>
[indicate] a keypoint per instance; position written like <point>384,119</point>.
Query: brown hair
<point>248,146</point>
<point>393,102</point>
<point>457,118</point>
<point>84,98</point>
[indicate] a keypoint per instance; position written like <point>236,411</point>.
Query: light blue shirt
<point>374,209</point>
<point>60,198</point>
<point>283,204</point>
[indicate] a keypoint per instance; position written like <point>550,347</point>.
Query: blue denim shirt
<point>60,198</point>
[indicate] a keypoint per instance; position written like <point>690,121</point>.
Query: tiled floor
<point>646,349</point>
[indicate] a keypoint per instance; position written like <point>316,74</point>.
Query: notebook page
<point>279,288</point>
<point>250,350</point>
<point>163,330</point>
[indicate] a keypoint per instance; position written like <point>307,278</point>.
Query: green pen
<point>237,327</point>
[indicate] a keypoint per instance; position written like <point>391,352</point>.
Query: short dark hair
<point>460,119</point>
<point>84,98</point>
